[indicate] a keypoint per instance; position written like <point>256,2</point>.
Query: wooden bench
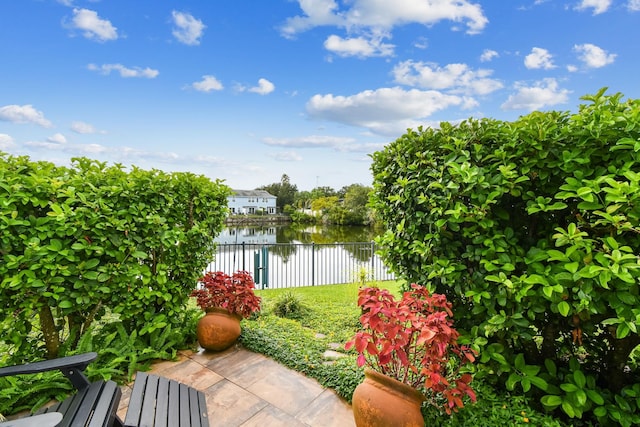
<point>154,401</point>
<point>160,402</point>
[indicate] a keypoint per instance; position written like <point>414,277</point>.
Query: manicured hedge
<point>532,229</point>
<point>78,241</point>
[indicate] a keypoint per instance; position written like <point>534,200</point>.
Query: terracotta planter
<point>381,401</point>
<point>218,329</point>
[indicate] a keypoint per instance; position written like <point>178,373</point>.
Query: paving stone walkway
<point>248,389</point>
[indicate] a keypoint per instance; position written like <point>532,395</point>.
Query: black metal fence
<point>288,265</point>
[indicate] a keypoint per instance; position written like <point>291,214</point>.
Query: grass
<point>324,316</point>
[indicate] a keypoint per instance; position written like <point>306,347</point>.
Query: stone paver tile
<point>191,373</point>
<point>286,389</point>
<point>160,366</point>
<point>230,406</point>
<point>204,356</point>
<point>273,417</point>
<point>124,401</point>
<point>328,410</point>
<point>243,367</point>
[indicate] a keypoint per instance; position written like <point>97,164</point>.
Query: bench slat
<point>148,415</point>
<point>172,404</point>
<point>105,411</point>
<point>160,402</point>
<point>185,418</point>
<point>204,415</point>
<point>135,401</point>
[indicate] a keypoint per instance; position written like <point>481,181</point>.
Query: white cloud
<point>598,6</point>
<point>188,29</point>
<point>93,26</point>
<point>6,141</point>
<point>458,78</point>
<point>207,84</point>
<point>488,55</point>
<point>385,111</point>
<point>572,68</point>
<point>594,56</point>
<point>84,128</point>
<point>23,114</point>
<point>311,141</point>
<point>125,72</point>
<point>539,58</point>
<point>286,156</point>
<point>380,14</point>
<point>264,87</point>
<point>633,5</point>
<point>544,93</point>
<point>57,138</point>
<point>358,46</point>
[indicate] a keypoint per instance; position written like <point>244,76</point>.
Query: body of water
<point>290,256</point>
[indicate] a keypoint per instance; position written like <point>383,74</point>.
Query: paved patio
<point>248,389</point>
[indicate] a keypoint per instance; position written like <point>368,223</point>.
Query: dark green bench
<point>155,401</point>
<point>160,402</point>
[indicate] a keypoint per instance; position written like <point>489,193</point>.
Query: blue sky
<point>247,91</point>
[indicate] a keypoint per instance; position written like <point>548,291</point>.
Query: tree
<point>356,202</point>
<point>283,190</point>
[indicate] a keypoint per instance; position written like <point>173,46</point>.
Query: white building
<point>248,202</point>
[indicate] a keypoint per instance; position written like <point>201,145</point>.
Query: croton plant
<point>234,293</point>
<point>412,340</point>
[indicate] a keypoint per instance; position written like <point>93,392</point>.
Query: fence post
<point>313,264</point>
<point>373,261</point>
<point>243,252</point>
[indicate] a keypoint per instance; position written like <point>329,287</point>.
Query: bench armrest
<point>70,366</point>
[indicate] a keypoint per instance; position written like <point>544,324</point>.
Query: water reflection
<point>296,234</point>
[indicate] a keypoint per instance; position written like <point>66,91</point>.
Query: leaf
<point>551,401</point>
<point>569,387</point>
<point>564,308</point>
<point>579,379</point>
<point>539,383</point>
<point>512,381</point>
<point>595,397</point>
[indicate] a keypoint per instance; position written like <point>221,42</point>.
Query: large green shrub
<point>76,241</point>
<point>532,229</point>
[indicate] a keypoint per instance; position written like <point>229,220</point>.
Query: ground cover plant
<point>332,317</point>
<point>531,228</point>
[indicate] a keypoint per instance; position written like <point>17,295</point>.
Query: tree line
<point>347,206</point>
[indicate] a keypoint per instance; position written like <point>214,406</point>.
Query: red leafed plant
<point>233,293</point>
<point>413,341</point>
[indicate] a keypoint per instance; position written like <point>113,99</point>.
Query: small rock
<point>332,355</point>
<point>334,345</point>
<point>320,336</point>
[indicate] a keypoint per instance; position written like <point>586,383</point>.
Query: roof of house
<point>253,193</point>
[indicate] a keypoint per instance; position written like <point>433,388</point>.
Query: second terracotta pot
<point>381,401</point>
<point>218,329</point>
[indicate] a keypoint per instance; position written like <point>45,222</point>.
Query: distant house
<point>248,202</point>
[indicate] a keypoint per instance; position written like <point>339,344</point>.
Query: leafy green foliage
<point>289,305</point>
<point>77,241</point>
<point>531,228</point>
<point>120,355</point>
